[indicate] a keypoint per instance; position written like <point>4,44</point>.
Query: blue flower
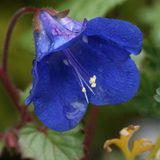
<point>77,63</point>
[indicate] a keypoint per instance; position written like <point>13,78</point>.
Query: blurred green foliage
<point>2,144</point>
<point>89,9</point>
<point>112,118</point>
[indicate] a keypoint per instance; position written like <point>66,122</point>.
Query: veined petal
<point>56,33</point>
<point>121,34</point>
<point>116,82</point>
<point>56,97</point>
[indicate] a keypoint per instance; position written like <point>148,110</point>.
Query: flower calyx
<point>36,21</point>
<point>137,147</point>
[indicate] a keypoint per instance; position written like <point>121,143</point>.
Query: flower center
<point>82,76</point>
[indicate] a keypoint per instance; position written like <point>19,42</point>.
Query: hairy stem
<point>4,77</point>
<point>90,131</point>
<point>13,94</point>
<point>10,88</point>
<point>9,32</point>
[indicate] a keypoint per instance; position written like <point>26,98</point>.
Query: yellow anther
<point>83,90</point>
<point>92,79</point>
<point>93,85</point>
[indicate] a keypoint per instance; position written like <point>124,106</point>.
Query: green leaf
<point>150,78</point>
<point>24,95</point>
<point>89,9</point>
<point>2,145</point>
<point>157,98</point>
<point>158,91</point>
<point>53,146</point>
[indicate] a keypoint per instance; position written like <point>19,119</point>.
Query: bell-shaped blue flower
<point>77,63</point>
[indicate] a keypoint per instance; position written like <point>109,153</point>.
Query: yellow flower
<point>122,143</point>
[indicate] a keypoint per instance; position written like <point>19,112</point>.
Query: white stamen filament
<point>83,88</point>
<point>80,77</point>
<point>80,73</point>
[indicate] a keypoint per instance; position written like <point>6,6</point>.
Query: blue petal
<point>103,49</point>
<point>55,94</point>
<point>120,33</point>
<point>116,82</point>
<point>61,32</point>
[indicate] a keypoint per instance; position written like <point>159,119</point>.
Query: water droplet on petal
<point>85,38</point>
<point>43,32</point>
<point>76,110</point>
<point>54,32</point>
<point>132,50</point>
<point>58,31</point>
<point>45,46</point>
<point>65,62</point>
<point>52,44</point>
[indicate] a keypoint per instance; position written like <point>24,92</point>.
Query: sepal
<point>36,20</point>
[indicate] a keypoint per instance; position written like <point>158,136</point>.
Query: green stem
<point>155,149</point>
